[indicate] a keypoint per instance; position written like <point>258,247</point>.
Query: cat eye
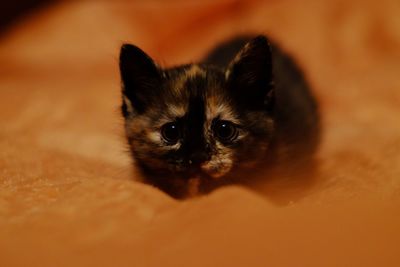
<point>225,131</point>
<point>170,132</point>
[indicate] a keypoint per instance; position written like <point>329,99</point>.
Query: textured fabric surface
<point>68,195</point>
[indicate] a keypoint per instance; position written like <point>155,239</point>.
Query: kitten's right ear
<point>249,74</point>
<point>141,79</point>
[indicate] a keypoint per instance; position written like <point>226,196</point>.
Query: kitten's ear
<point>141,79</point>
<point>249,75</point>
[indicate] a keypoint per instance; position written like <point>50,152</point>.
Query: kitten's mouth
<point>206,170</point>
<point>209,170</point>
<point>196,172</point>
<point>215,171</point>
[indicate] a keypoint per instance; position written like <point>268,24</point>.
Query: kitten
<point>193,127</point>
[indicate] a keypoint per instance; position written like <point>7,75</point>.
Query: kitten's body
<point>244,108</point>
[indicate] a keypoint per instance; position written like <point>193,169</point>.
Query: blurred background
<point>11,12</point>
<point>67,186</point>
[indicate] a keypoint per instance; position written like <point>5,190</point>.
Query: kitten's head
<point>198,119</point>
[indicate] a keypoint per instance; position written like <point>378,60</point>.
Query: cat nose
<point>199,157</point>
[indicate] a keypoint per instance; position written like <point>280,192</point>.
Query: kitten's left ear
<point>141,79</point>
<point>249,75</point>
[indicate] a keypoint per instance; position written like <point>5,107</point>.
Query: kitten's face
<point>198,120</point>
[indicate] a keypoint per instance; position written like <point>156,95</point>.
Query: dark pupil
<point>225,130</point>
<point>170,132</point>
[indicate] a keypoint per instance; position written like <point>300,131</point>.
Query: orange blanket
<point>68,195</point>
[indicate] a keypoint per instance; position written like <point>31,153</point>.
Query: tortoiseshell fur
<point>248,82</point>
